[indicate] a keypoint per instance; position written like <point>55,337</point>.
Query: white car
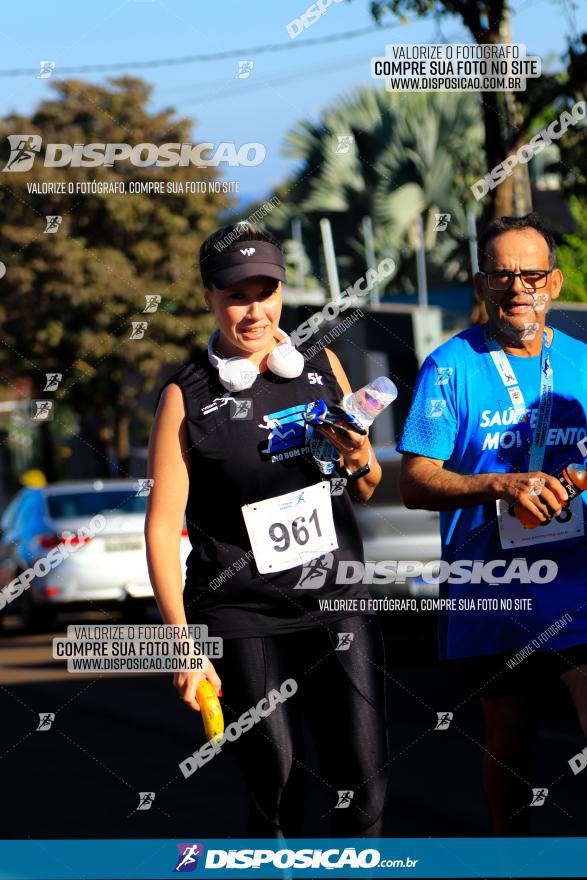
<point>110,567</point>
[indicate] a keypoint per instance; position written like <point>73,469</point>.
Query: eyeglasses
<point>532,279</point>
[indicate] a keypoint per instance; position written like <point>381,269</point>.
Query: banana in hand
<point>211,710</point>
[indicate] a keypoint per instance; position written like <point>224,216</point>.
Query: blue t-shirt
<point>461,413</point>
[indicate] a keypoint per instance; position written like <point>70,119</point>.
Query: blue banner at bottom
<point>300,857</point>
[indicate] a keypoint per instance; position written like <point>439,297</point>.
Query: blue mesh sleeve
<point>432,423</point>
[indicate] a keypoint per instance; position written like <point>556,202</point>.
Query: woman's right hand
<point>186,683</point>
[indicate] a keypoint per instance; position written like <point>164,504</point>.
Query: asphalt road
<point>115,736</point>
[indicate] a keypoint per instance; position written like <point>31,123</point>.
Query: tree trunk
<point>494,143</point>
<point>496,109</point>
<point>47,450</point>
<point>92,436</point>
<point>503,204</point>
<point>500,199</point>
<point>122,440</point>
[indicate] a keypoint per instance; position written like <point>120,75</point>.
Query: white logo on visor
<point>248,252</point>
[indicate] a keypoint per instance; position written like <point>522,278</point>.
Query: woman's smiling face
<point>247,314</point>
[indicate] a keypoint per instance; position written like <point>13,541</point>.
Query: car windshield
<point>89,503</point>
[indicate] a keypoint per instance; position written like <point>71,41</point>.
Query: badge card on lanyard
<point>511,532</point>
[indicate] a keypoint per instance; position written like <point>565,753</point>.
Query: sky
<point>285,86</point>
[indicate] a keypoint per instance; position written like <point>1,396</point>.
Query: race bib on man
<point>568,524</point>
<point>291,529</point>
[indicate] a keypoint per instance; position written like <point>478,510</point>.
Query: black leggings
<point>341,694</point>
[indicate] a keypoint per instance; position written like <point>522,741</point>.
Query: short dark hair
<point>226,235</point>
<point>505,224</point>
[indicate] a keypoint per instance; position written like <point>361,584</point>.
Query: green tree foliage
<point>573,156</point>
<point>409,154</point>
<point>69,298</point>
<point>507,124</point>
<point>572,256</point>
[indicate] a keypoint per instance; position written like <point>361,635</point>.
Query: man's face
<point>517,309</point>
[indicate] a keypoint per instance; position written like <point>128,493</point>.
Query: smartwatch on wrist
<point>361,472</point>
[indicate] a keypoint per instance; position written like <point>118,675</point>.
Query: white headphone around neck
<point>238,373</point>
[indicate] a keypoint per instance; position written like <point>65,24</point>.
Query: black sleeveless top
<point>236,461</point>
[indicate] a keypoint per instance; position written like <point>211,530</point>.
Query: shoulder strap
<point>178,378</point>
<point>315,357</point>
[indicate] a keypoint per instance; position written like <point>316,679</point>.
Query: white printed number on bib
<point>569,524</point>
<point>291,529</point>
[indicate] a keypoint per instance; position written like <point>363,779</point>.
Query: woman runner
<point>229,433</point>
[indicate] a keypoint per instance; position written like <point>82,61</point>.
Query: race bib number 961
<point>291,529</point>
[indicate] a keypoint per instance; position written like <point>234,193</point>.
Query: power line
<point>215,56</point>
<point>241,90</point>
<point>236,53</point>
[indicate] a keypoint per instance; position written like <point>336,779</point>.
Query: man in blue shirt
<point>498,412</point>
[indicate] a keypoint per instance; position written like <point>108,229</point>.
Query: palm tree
<point>409,154</point>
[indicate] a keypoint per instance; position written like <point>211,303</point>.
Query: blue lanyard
<point>502,363</point>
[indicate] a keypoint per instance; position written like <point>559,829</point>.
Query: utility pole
<point>296,232</point>
<point>370,256</point>
<point>421,264</point>
<point>330,258</point>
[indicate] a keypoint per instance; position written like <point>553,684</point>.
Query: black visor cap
<point>248,259</point>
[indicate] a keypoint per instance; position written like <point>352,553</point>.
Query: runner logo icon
<point>23,149</point>
<point>344,641</point>
<point>344,799</point>
<point>315,572</point>
<point>286,427</point>
<point>444,719</point>
<point>46,719</point>
<point>539,796</point>
<point>188,856</point>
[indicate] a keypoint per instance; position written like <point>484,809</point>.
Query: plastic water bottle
<point>370,400</point>
<point>365,405</point>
